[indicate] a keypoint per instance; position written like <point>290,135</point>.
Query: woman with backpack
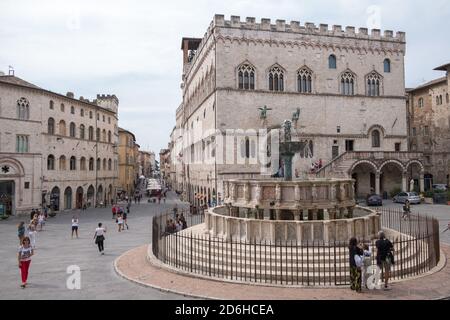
<point>356,262</point>
<point>99,237</point>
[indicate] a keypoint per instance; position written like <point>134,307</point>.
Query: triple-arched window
<point>348,83</point>
<point>304,80</point>
<point>374,84</point>
<point>246,77</point>
<point>276,79</point>
<point>23,109</point>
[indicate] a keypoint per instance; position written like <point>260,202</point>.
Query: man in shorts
<point>385,257</point>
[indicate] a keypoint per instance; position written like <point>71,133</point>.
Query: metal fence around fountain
<point>317,263</point>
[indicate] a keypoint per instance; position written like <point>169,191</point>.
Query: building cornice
<point>60,96</point>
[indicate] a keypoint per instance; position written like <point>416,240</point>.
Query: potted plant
<point>429,197</point>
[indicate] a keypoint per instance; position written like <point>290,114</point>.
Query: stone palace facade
<point>55,150</point>
<point>343,89</point>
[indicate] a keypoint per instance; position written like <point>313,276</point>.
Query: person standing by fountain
<point>355,257</point>
<point>385,257</point>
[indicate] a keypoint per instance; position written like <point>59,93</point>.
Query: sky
<point>131,48</point>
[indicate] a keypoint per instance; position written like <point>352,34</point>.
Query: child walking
<point>367,262</point>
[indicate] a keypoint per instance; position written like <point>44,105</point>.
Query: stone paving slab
<point>134,266</point>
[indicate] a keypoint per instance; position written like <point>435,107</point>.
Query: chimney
<point>70,95</point>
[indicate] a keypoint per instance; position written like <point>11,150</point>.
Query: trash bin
<point>440,198</point>
<point>385,195</point>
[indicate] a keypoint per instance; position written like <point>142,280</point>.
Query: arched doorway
<point>100,195</point>
<point>7,191</point>
<point>364,174</point>
<point>90,196</point>
<point>54,199</point>
<point>79,198</point>
<point>68,198</point>
<point>391,178</point>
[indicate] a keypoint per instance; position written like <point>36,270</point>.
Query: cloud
<point>131,48</point>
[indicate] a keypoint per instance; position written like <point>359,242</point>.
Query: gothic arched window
<point>82,131</point>
<point>348,83</point>
<point>51,126</point>
<point>91,164</point>
<point>62,128</point>
<point>374,83</point>
<point>332,62</point>
<point>73,164</point>
<point>23,109</point>
<point>62,163</point>
<point>304,80</point>
<point>51,162</point>
<point>376,143</point>
<point>91,133</point>
<point>72,130</point>
<point>276,79</point>
<point>83,163</point>
<point>387,66</point>
<point>246,77</point>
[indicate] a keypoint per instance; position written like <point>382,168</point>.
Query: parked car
<point>439,187</point>
<point>374,200</point>
<point>412,197</point>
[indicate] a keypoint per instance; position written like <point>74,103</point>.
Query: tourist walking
<point>24,258</point>
<point>33,212</point>
<point>125,217</point>
<point>99,237</point>
<point>128,207</point>
<point>41,221</point>
<point>21,231</point>
<point>355,259</point>
<point>406,210</point>
<point>120,221</point>
<point>75,224</point>
<point>32,233</point>
<point>385,257</point>
<point>114,211</point>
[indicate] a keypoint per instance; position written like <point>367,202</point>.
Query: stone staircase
<point>308,265</point>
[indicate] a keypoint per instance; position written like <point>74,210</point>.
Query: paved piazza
<point>56,251</point>
<point>441,212</point>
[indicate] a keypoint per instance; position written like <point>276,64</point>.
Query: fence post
<point>209,254</point>
<point>191,251</point>
<point>231,244</point>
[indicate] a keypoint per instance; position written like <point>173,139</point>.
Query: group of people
<point>27,241</point>
<point>360,257</point>
<point>177,224</point>
<point>121,216</point>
